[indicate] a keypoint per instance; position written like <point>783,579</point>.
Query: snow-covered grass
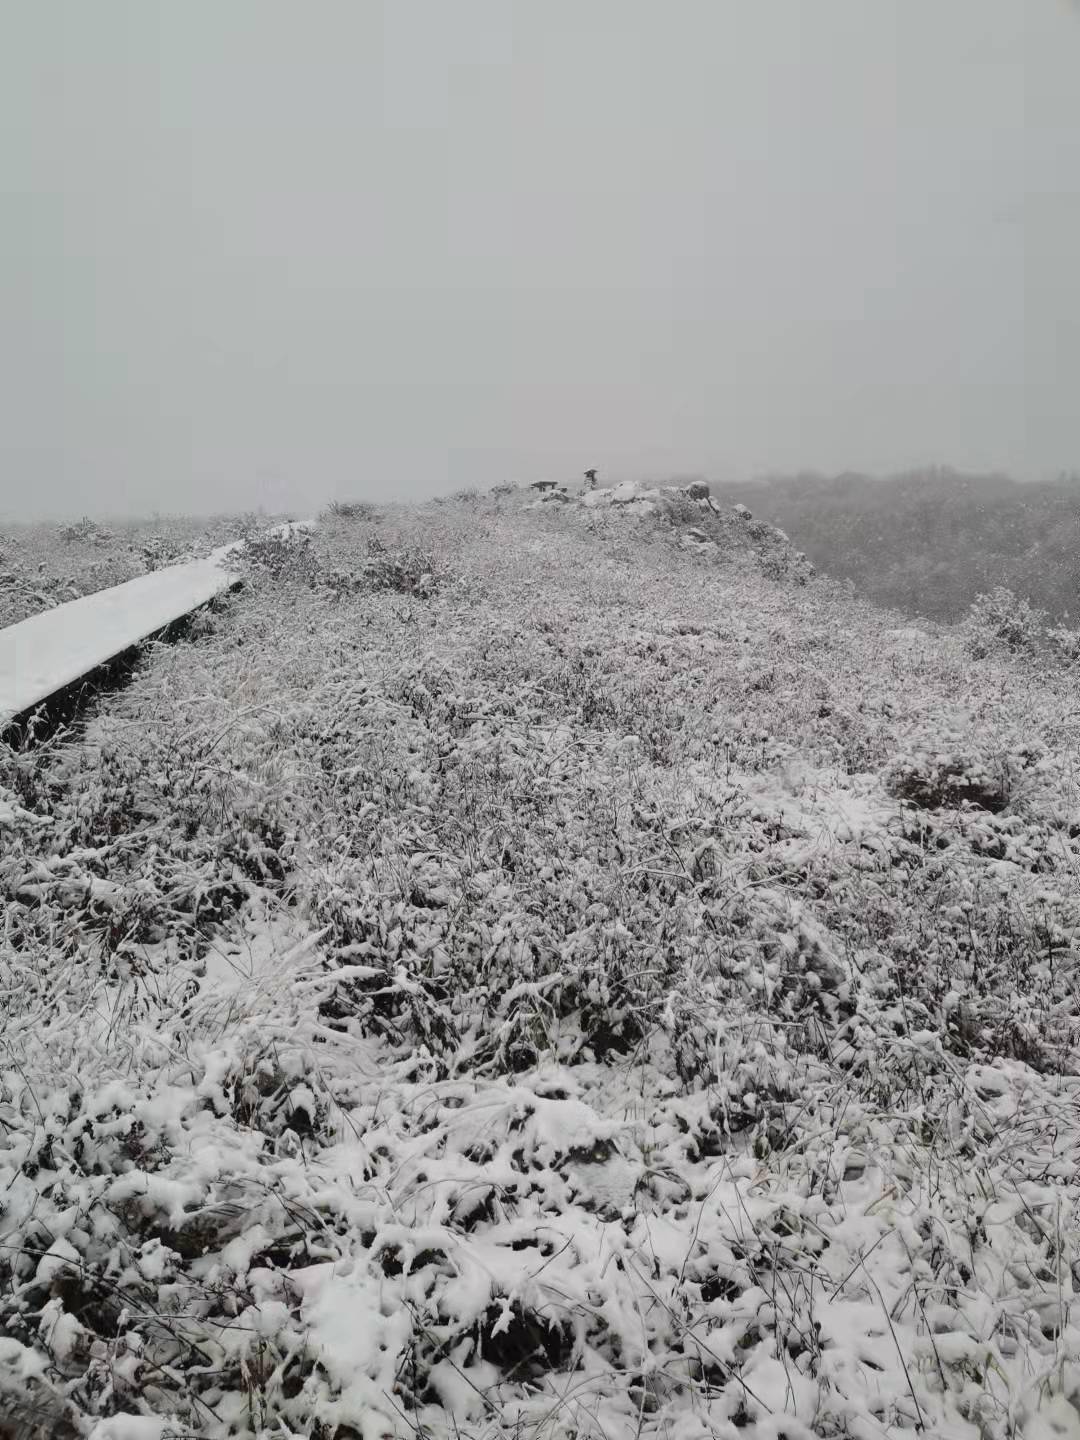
<point>517,974</point>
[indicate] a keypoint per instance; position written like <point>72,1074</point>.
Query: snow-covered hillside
<point>536,972</point>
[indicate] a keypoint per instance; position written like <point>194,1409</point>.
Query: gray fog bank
<point>262,252</point>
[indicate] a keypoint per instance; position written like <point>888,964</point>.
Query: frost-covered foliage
<point>282,554</point>
<point>940,770</point>
<point>1002,620</point>
<point>351,510</point>
<point>1064,642</point>
<point>408,569</point>
<point>520,1007</point>
<point>366,561</point>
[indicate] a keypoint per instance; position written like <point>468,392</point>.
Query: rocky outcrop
<point>629,496</point>
<point>704,528</point>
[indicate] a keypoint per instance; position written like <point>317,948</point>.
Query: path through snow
<point>42,655</point>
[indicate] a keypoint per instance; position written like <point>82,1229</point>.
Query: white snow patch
<point>133,1427</point>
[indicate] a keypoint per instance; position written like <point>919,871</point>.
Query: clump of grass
<point>352,510</point>
<point>406,569</point>
<point>281,557</point>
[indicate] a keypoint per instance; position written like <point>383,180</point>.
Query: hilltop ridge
<point>703,524</point>
<point>534,971</point>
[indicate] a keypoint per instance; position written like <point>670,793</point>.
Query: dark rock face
<point>698,490</point>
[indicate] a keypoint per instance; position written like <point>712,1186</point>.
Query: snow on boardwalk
<point>48,652</point>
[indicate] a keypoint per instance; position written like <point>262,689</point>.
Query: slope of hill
<point>929,542</point>
<point>525,972</point>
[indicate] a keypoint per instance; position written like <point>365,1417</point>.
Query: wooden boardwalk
<point>48,653</point>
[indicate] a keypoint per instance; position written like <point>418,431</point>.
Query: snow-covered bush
<point>85,529</point>
<point>934,778</point>
<point>681,509</point>
<point>408,569</point>
<point>1064,643</point>
<point>775,566</point>
<point>281,556</point>
<point>352,510</point>
<point>1001,619</point>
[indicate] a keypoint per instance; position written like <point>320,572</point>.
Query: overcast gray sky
<point>261,251</point>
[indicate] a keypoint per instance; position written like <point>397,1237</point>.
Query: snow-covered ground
<point>518,976</point>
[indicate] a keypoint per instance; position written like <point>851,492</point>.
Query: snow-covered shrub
<point>407,569</point>
<point>932,778</point>
<point>1002,620</point>
<point>681,510</point>
<point>158,551</point>
<point>281,556</point>
<point>1064,643</point>
<point>352,510</point>
<point>781,563</point>
<point>84,529</point>
<point>774,566</point>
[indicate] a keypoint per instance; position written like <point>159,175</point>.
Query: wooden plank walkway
<point>44,655</point>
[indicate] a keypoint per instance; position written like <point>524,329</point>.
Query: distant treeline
<point>929,541</point>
